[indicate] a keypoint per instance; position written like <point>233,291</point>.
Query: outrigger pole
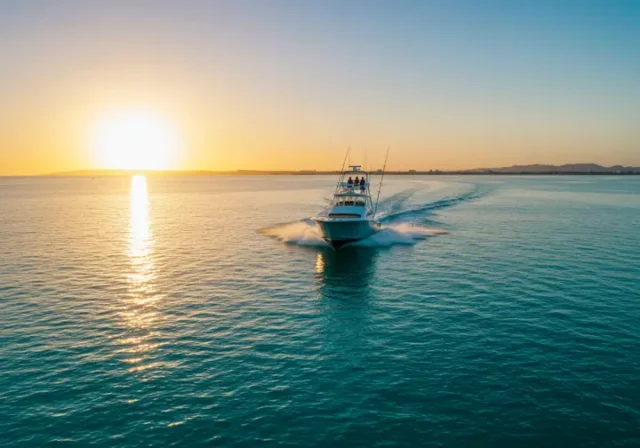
<point>375,210</point>
<point>342,169</point>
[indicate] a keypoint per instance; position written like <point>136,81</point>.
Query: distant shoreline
<point>334,173</point>
<point>576,169</point>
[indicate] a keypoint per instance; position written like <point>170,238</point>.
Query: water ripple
<point>150,312</point>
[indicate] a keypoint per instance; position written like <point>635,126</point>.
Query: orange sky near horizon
<point>53,134</point>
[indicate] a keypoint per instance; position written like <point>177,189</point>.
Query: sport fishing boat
<point>351,214</point>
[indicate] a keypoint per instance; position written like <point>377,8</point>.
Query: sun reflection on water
<point>320,264</point>
<point>140,241</point>
<point>140,233</point>
<point>140,312</point>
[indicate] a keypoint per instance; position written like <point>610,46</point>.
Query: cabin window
<point>349,201</point>
<point>343,215</point>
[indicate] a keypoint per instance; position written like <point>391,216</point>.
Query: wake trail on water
<point>394,212</point>
<point>398,226</point>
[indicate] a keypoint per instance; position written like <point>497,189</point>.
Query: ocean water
<point>206,311</point>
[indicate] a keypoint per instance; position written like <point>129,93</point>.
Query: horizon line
<point>536,167</point>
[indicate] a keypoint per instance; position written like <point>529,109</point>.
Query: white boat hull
<point>339,232</point>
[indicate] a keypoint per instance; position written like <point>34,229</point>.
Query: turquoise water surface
<point>206,311</point>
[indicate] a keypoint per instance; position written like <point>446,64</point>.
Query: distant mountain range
<point>578,168</point>
<point>572,168</point>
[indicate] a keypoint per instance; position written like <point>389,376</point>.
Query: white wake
<point>306,233</point>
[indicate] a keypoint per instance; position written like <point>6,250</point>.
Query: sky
<point>292,84</point>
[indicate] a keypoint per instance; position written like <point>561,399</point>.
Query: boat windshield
<point>349,201</point>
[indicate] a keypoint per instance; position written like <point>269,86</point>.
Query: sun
<point>136,140</point>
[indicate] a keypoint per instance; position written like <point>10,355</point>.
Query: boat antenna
<point>366,166</point>
<point>342,169</point>
<point>375,210</point>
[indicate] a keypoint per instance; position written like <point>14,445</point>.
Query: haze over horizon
<point>285,85</point>
<point>576,168</point>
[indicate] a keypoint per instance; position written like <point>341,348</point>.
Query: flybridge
<point>353,186</point>
<point>352,196</point>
